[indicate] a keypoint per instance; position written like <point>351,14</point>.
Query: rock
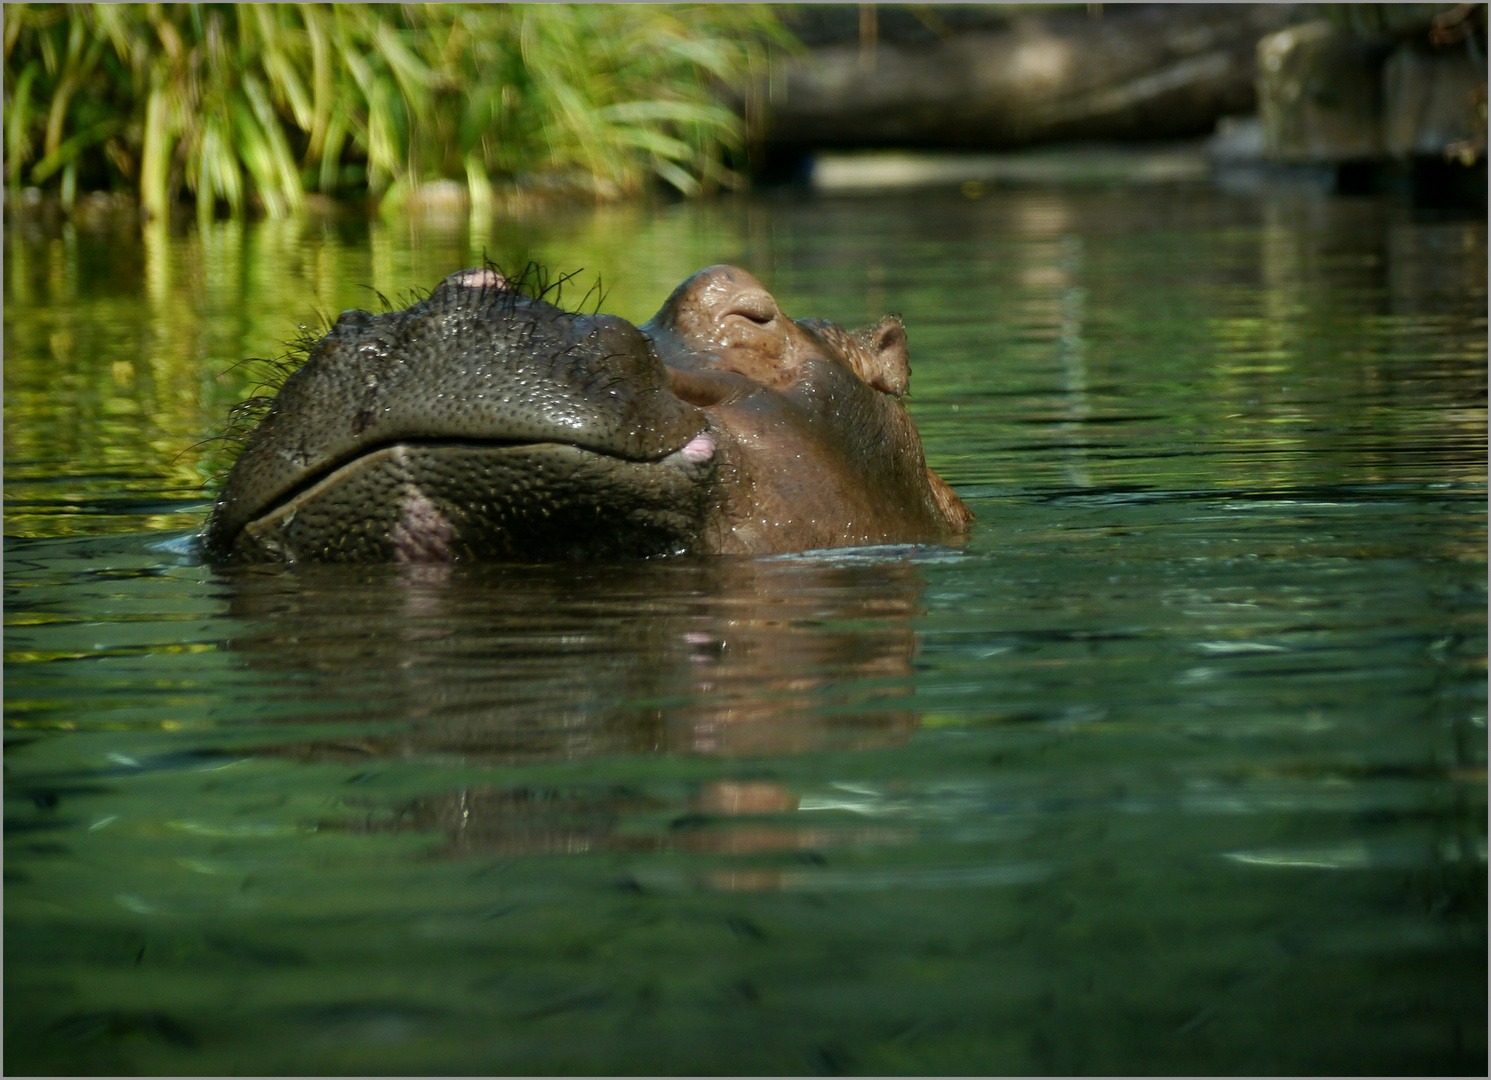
<point>1369,85</point>
<point>1238,140</point>
<point>1430,100</point>
<point>1319,95</point>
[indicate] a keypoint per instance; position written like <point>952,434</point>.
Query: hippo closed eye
<point>481,423</point>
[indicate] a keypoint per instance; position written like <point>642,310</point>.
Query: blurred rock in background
<point>1003,77</point>
<point>1353,97</point>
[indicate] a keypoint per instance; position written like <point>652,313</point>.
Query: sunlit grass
<point>261,103</point>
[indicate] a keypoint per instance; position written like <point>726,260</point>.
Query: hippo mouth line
<point>698,450</point>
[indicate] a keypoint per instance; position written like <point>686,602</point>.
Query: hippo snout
<point>434,396</point>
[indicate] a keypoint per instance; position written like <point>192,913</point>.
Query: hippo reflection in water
<point>483,423</point>
<point>738,660</point>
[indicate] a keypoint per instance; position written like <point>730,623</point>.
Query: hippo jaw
<point>437,502</point>
<point>478,423</point>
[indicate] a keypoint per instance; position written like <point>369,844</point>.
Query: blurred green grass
<point>241,104</point>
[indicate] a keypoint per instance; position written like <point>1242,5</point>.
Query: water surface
<point>1178,765</point>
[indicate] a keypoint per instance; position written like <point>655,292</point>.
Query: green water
<point>1177,766</point>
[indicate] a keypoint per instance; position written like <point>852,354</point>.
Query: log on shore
<point>1119,72</point>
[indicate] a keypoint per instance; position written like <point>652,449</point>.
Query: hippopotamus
<point>485,423</point>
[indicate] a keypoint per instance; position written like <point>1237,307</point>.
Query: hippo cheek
<point>414,502</point>
<point>823,462</point>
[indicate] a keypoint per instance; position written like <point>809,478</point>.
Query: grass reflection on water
<point>1179,765</point>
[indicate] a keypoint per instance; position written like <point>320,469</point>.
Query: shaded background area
<point>1350,97</point>
<point>471,108</point>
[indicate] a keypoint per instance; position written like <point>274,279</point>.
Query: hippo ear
<point>877,353</point>
<point>888,367</point>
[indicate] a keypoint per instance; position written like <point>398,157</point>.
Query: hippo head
<point>481,422</point>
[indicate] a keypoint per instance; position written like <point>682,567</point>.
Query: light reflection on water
<point>1177,765</point>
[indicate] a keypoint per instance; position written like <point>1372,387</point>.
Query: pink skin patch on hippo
<point>483,279</point>
<point>699,448</point>
<point>422,534</point>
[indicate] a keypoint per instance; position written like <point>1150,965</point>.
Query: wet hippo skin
<point>483,423</point>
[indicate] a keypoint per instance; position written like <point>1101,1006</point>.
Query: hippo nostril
<point>702,389</point>
<point>759,308</point>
